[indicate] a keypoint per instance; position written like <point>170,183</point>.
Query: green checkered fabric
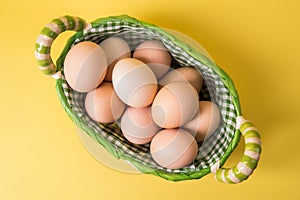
<point>218,88</point>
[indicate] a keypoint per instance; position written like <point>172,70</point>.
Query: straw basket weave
<point>218,88</point>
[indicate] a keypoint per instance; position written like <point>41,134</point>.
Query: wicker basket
<point>218,88</point>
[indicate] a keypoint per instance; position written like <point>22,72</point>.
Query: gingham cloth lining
<point>211,150</point>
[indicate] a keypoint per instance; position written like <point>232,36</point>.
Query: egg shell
<point>115,49</point>
<point>205,123</point>
<point>134,82</point>
<point>187,73</point>
<point>155,54</point>
<point>103,105</point>
<point>173,148</point>
<point>175,104</point>
<point>85,66</point>
<point>137,125</point>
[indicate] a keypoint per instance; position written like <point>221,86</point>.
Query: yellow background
<point>256,42</point>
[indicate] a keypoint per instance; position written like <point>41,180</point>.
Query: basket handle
<point>47,36</point>
<point>251,156</point>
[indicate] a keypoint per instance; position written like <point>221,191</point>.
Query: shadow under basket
<point>218,88</point>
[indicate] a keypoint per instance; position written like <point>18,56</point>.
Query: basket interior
<point>210,151</point>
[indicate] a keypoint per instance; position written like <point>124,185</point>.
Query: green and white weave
<point>218,88</point>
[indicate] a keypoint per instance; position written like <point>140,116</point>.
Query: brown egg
<point>134,82</point>
<point>85,66</point>
<point>103,105</point>
<point>189,74</point>
<point>174,105</point>
<point>205,122</point>
<point>155,55</point>
<point>137,125</point>
<point>115,49</point>
<point>173,148</point>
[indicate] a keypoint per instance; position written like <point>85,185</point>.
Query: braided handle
<point>250,159</point>
<point>48,35</point>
